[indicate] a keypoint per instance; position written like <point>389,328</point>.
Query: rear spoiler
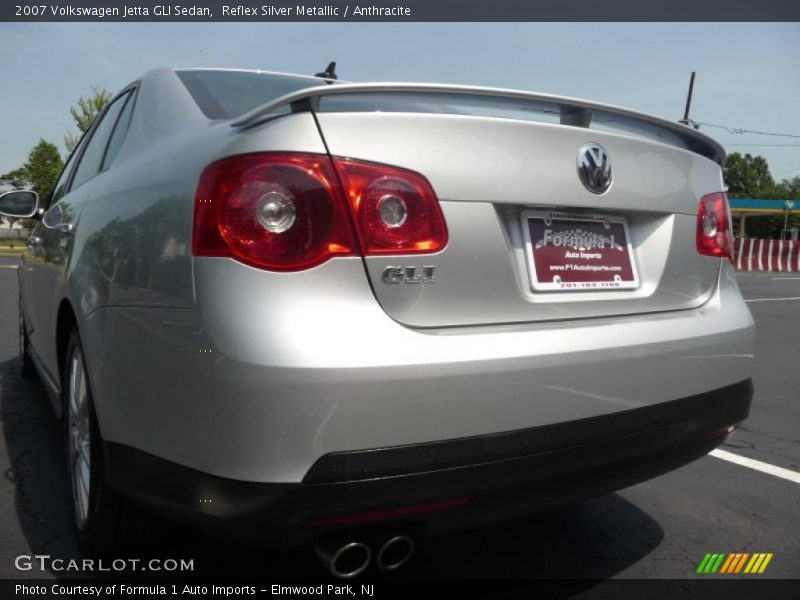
<point>571,111</point>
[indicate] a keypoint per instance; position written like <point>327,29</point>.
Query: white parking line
<point>8,266</point>
<point>771,299</point>
<point>757,465</point>
<point>783,278</point>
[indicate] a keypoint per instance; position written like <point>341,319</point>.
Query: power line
<point>740,131</point>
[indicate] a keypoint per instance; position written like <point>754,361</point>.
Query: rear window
<point>228,94</point>
<point>521,109</point>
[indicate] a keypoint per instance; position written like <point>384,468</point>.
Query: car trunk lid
<point>506,171</point>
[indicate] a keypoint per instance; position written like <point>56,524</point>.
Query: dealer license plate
<point>568,252</point>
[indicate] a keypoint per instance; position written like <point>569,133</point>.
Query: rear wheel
<point>26,363</point>
<point>104,521</point>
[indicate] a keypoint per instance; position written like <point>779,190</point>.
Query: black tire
<point>27,367</point>
<point>108,524</point>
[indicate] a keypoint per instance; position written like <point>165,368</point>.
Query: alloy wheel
<point>79,437</point>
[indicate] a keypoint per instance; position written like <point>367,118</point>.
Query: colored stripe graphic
<point>703,563</point>
<point>727,564</point>
<point>717,563</point>
<point>710,563</point>
<point>733,563</point>
<point>740,564</point>
<point>755,562</point>
<point>765,563</point>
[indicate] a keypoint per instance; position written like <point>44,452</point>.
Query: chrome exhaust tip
<point>395,552</point>
<point>344,560</point>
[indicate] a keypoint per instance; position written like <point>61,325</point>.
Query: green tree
<point>39,173</point>
<point>792,187</point>
<point>85,112</point>
<point>747,176</point>
<point>770,226</point>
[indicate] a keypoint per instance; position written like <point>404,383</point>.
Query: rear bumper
<point>434,488</point>
<point>267,377</point>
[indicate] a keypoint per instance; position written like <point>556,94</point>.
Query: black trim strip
<point>433,456</point>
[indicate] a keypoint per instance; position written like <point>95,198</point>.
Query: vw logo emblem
<point>594,168</point>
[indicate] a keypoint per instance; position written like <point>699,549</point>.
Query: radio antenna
<point>329,72</point>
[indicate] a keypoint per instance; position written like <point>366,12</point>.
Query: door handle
<point>64,228</point>
<point>33,242</point>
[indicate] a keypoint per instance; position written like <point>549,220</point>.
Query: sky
<point>748,75</point>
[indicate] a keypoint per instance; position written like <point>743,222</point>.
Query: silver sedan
<point>354,315</point>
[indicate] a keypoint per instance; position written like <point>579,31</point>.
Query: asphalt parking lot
<point>658,529</point>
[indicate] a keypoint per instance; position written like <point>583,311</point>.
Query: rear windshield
<point>521,109</point>
<point>229,94</point>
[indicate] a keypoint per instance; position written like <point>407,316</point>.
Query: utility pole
<point>787,206</point>
<point>686,120</point>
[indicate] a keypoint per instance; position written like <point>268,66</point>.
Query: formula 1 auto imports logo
<point>577,239</point>
<point>734,563</point>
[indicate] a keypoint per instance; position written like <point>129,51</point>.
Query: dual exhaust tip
<point>346,560</point>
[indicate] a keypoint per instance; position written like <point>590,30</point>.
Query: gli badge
<point>392,274</point>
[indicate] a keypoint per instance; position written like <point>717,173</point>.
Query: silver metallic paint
<point>477,163</point>
<point>250,374</point>
<point>294,374</point>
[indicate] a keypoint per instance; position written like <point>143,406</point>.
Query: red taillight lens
<point>396,211</point>
<point>287,212</point>
<point>282,212</point>
<point>714,230</point>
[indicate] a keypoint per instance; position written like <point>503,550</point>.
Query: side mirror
<point>19,205</point>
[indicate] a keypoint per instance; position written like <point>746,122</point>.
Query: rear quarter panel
<point>132,258</point>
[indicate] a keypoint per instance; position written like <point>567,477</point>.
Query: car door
<point>34,260</point>
<point>50,248</point>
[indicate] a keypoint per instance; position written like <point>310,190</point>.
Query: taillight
<point>288,212</point>
<point>714,230</point>
<point>396,211</point>
<point>282,212</point>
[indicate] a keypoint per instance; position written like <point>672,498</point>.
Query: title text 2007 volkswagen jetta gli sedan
<point>357,314</point>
